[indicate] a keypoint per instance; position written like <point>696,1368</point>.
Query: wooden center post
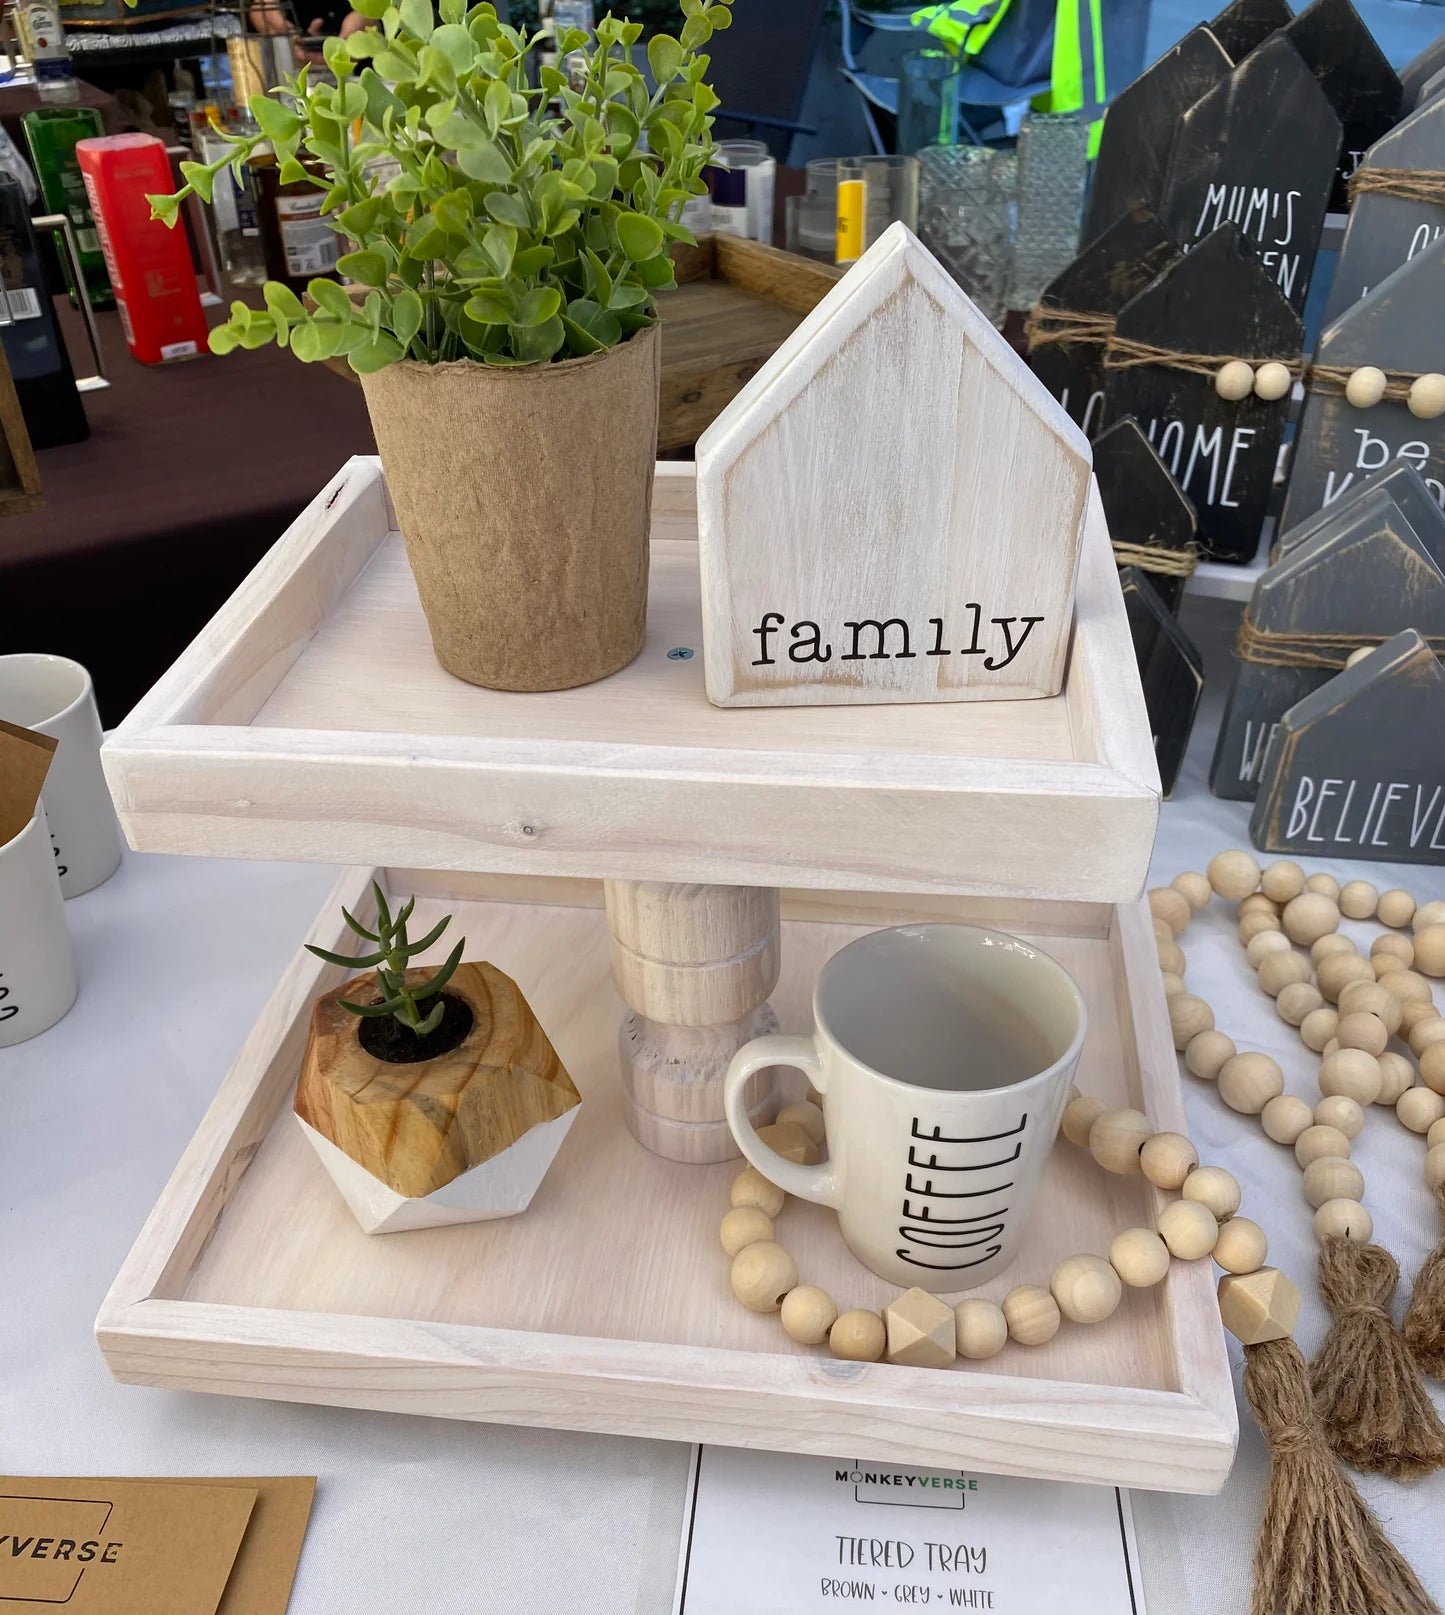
<point>695,965</point>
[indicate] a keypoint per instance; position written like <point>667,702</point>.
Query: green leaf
<point>506,207</point>
<point>357,926</point>
<point>601,280</point>
<point>433,1020</point>
<point>639,236</point>
<point>372,1012</point>
<point>500,244</point>
<point>664,57</point>
<point>581,341</point>
<point>165,208</point>
<point>533,261</point>
<point>327,295</point>
<point>416,17</point>
<point>601,326</point>
<point>432,936</point>
<point>291,172</point>
<point>453,212</point>
<point>695,31</point>
<point>541,304</point>
<point>367,266</point>
<point>444,975</point>
<point>484,161</point>
<point>282,301</point>
<point>425,241</point>
<point>275,121</point>
<point>496,105</point>
<point>395,64</point>
<point>456,44</point>
<point>379,98</point>
<point>224,339</point>
<point>406,316</point>
<point>360,218</point>
<point>351,98</point>
<point>361,962</point>
<point>199,178</point>
<point>374,9</point>
<point>362,44</point>
<point>453,12</point>
<point>625,294</point>
<point>437,70</point>
<point>487,308</point>
<point>719,16</point>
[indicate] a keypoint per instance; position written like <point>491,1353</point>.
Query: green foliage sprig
<point>483,226</point>
<point>392,955</point>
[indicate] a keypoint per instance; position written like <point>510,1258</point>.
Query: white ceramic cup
<point>943,1054</point>
<point>37,968</point>
<point>53,695</point>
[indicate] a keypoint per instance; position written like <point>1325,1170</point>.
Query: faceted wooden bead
<point>1426,398</point>
<point>1373,999</point>
<point>1249,1081</point>
<point>858,1337</point>
<point>1281,880</point>
<point>1285,1117</point>
<point>1194,888</point>
<point>1396,1076</point>
<point>1332,942</point>
<point>1079,1117</point>
<point>1420,1108</point>
<point>1396,907</point>
<point>1086,1288</point>
<point>1234,380</point>
<point>920,1330</point>
<point>1317,1142</point>
<point>751,1188</point>
<point>1167,1159</point>
<point>1256,924</point>
<point>1432,1067</point>
<point>808,1314</point>
<point>1428,1031</point>
<point>980,1329</point>
<point>1188,1229</point>
<point>1344,1219</point>
<point>1318,1028</point>
<point>805,1114</point>
<point>1358,899</point>
<point>1432,913</point>
<point>1366,386</point>
<point>1032,1313</point>
<point>1170,906</point>
<point>1325,885</point>
<point>1436,1135</point>
<point>1362,1030</point>
<point>1407,984</point>
<point>1337,1111</point>
<point>1299,999</point>
<point>1308,917</point>
<point>1139,1257</point>
<point>1430,951</point>
<point>1116,1138</point>
<point>791,1142</point>
<point>1171,956</point>
<point>1272,380</point>
<point>1330,1178</point>
<point>1353,1073</point>
<point>1241,1246</point>
<point>1280,970</point>
<point>1214,1189</point>
<point>1188,1017</point>
<point>1259,1306</point>
<point>1233,874</point>
<point>1171,983</point>
<point>1258,903</point>
<point>1207,1053</point>
<point>1336,972</point>
<point>1435,1167</point>
<point>743,1226</point>
<point>1391,952</point>
<point>1259,947</point>
<point>762,1275</point>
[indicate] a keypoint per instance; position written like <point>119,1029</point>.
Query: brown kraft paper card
<point>24,762</point>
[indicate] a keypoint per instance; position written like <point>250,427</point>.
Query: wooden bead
<point>1435,1167</point>
<point>1234,380</point>
<point>1194,888</point>
<point>1359,655</point>
<point>1362,1031</point>
<point>1332,942</point>
<point>1432,913</point>
<point>1425,1034</point>
<point>1353,1073</point>
<point>1339,970</point>
<point>1332,1045</point>
<point>920,1330</point>
<point>1162,933</point>
<point>1282,880</point>
<point>1436,1135</point>
<point>1396,907</point>
<point>1188,1229</point>
<point>1308,917</point>
<point>1358,899</point>
<point>1207,1053</point>
<point>1318,1028</point>
<point>805,1114</point>
<point>1257,949</point>
<point>858,1337</point>
<point>1344,1219</point>
<point>1139,1257</point>
<point>1432,1067</point>
<point>1330,1178</point>
<point>1279,970</point>
<point>1420,1108</point>
<point>1391,952</point>
<point>1337,1111</point>
<point>1086,1288</point>
<point>751,1188</point>
<point>1079,1117</point>
<point>1325,885</point>
<point>808,1314</point>
<point>1258,903</point>
<point>1233,874</point>
<point>1249,1081</point>
<point>1188,1017</point>
<point>791,1142</point>
<point>1285,1117</point>
<point>1033,1315</point>
<point>1170,906</point>
<point>1366,386</point>
<point>1253,925</point>
<point>1396,1076</point>
<point>980,1329</point>
<point>1426,397</point>
<point>1317,1142</point>
<point>1272,380</point>
<point>743,1226</point>
<point>1172,983</point>
<point>1241,1246</point>
<point>1167,1159</point>
<point>1171,957</point>
<point>1214,1189</point>
<point>1406,984</point>
<point>1413,1011</point>
<point>1373,999</point>
<point>1259,1306</point>
<point>762,1275</point>
<point>1299,999</point>
<point>1116,1138</point>
<point>1430,951</point>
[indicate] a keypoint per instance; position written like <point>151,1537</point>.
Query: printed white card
<point>777,1534</point>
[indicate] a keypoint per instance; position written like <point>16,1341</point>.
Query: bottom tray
<point>606,1305</point>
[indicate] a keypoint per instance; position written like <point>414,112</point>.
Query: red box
<point>148,263</point>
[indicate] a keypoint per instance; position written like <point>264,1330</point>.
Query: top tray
<point>309,720</point>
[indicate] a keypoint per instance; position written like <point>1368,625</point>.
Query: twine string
<point>1333,379</point>
<point>1047,325</point>
<point>1409,184</point>
<point>1272,647</point>
<point>1124,353</point>
<point>1155,558</point>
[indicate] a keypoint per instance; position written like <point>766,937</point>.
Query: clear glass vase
<point>965,218</point>
<point>1053,173</point>
<point>927,100</point>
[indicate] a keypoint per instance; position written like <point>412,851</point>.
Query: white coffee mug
<point>943,1054</point>
<point>53,695</point>
<point>37,968</point>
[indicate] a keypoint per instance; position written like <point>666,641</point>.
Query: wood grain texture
<point>20,489</point>
<point>1143,502</point>
<point>237,751</point>
<point>251,1277</point>
<point>1244,24</point>
<point>895,480</point>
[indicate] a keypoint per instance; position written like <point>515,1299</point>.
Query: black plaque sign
<point>1257,151</point>
<point>1142,502</point>
<point>1170,671</point>
<point>1419,70</point>
<point>1217,299</point>
<point>1403,485</point>
<point>1247,23</point>
<point>1357,770</point>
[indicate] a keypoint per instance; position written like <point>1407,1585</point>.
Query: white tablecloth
<point>176,958</point>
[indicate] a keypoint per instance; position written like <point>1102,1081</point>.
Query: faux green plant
<point>484,226</point>
<point>391,957</point>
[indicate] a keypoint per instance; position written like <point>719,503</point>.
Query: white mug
<point>37,968</point>
<point>943,1055</point>
<point>53,695</point>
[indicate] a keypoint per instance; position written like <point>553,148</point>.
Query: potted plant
<point>429,1096</point>
<point>511,240</point>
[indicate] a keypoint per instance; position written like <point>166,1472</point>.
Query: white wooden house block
<point>891,509</point>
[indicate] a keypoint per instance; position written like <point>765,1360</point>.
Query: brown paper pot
<point>524,496</point>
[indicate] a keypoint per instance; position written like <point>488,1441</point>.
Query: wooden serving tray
<point>310,720</point>
<point>606,1305</point>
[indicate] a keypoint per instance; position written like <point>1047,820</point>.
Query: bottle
<point>299,245</point>
<point>43,38</point>
<point>239,243</point>
<point>51,134</point>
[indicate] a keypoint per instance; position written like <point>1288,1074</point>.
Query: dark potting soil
<point>385,1038</point>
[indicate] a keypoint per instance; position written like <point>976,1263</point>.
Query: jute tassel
<point>1376,1413</point>
<point>1425,1321</point>
<point>1320,1550</point>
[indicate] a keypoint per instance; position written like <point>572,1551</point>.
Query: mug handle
<point>817,1183</point>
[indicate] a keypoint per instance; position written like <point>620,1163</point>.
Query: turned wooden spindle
<point>695,965</point>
